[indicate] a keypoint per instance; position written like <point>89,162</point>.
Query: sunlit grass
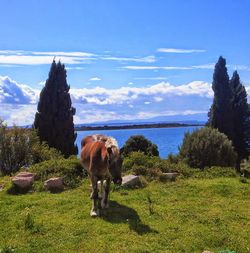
<point>184,216</point>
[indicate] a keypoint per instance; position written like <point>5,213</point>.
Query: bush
<point>69,169</point>
<point>138,143</point>
<point>245,168</point>
<point>20,147</point>
<point>207,147</point>
<point>14,148</point>
<point>139,159</point>
<point>152,167</point>
<point>215,172</point>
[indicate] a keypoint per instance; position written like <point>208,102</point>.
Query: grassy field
<point>185,216</point>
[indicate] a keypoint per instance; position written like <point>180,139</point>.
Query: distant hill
<point>197,119</point>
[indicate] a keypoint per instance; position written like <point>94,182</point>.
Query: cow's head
<point>115,165</point>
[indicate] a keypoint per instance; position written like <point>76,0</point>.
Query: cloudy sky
<point>125,60</point>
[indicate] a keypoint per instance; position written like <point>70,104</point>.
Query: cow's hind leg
<point>105,197</point>
<point>94,196</point>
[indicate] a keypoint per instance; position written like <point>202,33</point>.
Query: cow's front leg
<point>94,196</point>
<point>104,202</point>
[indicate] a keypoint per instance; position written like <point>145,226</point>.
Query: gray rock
<point>54,184</point>
<point>171,176</point>
<point>23,180</point>
<point>131,181</point>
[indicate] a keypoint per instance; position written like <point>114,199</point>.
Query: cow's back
<point>94,158</point>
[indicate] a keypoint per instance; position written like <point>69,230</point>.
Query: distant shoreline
<point>134,126</point>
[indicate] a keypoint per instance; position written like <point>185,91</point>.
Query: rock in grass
<point>171,176</point>
<point>23,180</point>
<point>54,184</point>
<point>131,181</point>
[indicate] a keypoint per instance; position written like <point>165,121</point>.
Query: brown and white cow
<point>100,156</point>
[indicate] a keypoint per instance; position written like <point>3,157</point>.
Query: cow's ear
<point>109,150</point>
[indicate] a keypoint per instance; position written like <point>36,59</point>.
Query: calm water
<point>167,139</point>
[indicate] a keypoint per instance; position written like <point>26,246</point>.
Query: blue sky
<point>128,60</point>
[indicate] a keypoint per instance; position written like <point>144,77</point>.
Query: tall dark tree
<point>54,117</point>
<point>241,118</point>
<point>220,114</point>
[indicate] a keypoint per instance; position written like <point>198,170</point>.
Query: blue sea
<point>167,139</point>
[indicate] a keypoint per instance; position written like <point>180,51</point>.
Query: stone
<point>131,181</point>
<point>54,184</point>
<point>170,176</point>
<point>23,180</point>
<point>206,251</point>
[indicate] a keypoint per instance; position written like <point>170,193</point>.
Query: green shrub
<point>139,159</point>
<point>14,148</point>
<point>20,147</point>
<point>69,169</point>
<point>42,152</point>
<point>243,180</point>
<point>173,158</point>
<point>245,168</point>
<point>207,147</point>
<point>215,172</point>
<point>153,167</point>
<point>138,143</point>
<point>7,249</point>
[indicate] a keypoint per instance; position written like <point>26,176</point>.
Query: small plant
<point>227,251</point>
<point>30,225</point>
<point>245,168</point>
<point>7,249</point>
<point>243,180</point>
<point>150,204</point>
<point>29,222</point>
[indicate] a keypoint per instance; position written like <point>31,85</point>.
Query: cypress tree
<point>54,117</point>
<point>241,118</point>
<point>220,114</point>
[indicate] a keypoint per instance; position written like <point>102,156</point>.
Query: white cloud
<point>147,59</point>
<point>240,67</point>
<point>20,115</point>
<point>152,78</point>
<point>38,59</point>
<point>59,54</point>
<point>180,51</point>
<point>95,79</point>
<point>21,57</point>
<point>75,68</point>
<point>8,58</point>
<point>103,96</point>
<point>13,93</point>
<point>42,83</point>
<point>18,102</point>
<point>158,99</point>
<point>204,66</point>
<point>148,115</point>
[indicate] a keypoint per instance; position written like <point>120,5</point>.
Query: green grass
<point>185,216</point>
